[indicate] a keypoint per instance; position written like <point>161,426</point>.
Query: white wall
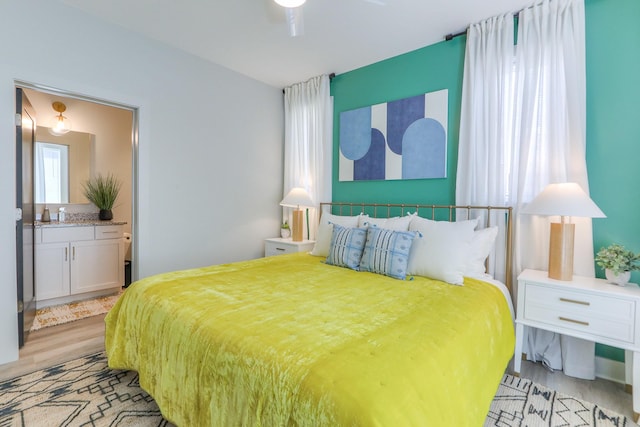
<point>210,146</point>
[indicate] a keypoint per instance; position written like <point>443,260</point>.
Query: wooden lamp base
<point>297,226</point>
<point>561,251</point>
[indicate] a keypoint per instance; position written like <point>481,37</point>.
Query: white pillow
<point>396,223</point>
<point>442,251</point>
<point>481,246</point>
<point>325,231</point>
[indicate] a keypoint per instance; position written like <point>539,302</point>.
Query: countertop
<point>77,223</point>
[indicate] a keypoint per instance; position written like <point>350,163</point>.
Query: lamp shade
<point>297,197</point>
<point>564,199</point>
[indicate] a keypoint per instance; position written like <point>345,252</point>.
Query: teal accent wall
<point>613,126</point>
<point>425,70</point>
<point>613,121</point>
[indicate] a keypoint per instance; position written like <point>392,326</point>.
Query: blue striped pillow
<point>387,252</point>
<point>346,246</point>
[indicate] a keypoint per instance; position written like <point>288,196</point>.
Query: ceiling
<point>251,36</point>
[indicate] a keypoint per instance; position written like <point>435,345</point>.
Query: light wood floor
<point>50,346</point>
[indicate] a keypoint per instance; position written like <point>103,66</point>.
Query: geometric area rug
<point>85,392</point>
<point>82,392</point>
<point>521,402</point>
<point>65,313</point>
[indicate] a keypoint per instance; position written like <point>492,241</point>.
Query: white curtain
<point>528,112</point>
<point>308,116</point>
<point>552,110</point>
<point>552,135</point>
<point>486,122</point>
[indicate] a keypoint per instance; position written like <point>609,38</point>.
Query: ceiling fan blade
<point>295,21</point>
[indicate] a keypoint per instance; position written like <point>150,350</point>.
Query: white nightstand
<point>279,246</point>
<point>586,308</point>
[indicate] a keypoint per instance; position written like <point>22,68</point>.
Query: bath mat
<point>65,313</point>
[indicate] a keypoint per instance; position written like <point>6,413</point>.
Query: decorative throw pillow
<point>325,231</point>
<point>346,246</point>
<point>387,252</point>
<point>481,246</point>
<point>442,251</point>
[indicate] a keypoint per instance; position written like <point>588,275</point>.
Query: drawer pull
<point>109,232</point>
<point>280,249</point>
<point>573,301</point>
<point>579,322</point>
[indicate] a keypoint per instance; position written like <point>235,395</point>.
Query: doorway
<point>113,129</point>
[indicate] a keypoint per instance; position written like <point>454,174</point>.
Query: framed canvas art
<point>402,139</point>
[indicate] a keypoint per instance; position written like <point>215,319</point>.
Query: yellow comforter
<point>291,341</point>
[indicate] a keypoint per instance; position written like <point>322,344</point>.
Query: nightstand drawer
<point>607,317</point>
<point>279,249</point>
<point>581,302</point>
<point>605,328</point>
<point>278,246</point>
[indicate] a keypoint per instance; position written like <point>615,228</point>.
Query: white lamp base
<point>561,251</point>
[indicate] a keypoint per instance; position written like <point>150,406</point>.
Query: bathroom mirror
<point>62,164</point>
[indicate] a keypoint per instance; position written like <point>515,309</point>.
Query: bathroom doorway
<point>112,129</point>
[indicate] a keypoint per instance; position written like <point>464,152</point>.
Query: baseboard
<point>610,370</point>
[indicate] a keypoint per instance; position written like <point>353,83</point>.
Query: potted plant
<point>285,231</point>
<point>618,262</point>
<point>102,191</point>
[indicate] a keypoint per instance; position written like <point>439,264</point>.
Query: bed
<point>291,340</point>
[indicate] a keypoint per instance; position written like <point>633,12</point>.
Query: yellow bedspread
<point>291,341</point>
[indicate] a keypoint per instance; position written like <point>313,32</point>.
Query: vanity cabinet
<point>76,260</point>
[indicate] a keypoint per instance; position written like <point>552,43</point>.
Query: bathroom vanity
<point>78,260</point>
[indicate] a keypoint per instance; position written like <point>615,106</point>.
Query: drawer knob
<point>573,301</point>
<point>579,322</point>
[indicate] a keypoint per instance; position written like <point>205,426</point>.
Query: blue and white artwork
<point>403,139</point>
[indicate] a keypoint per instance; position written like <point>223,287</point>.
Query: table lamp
<point>565,200</point>
<point>294,199</point>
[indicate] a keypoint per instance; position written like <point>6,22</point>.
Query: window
<point>52,173</point>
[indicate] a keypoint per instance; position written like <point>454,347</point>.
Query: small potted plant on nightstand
<point>285,231</point>
<point>618,263</point>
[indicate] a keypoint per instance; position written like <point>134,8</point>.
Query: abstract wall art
<point>403,139</point>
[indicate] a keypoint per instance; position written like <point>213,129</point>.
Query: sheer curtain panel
<point>552,136</point>
<point>486,123</point>
<point>308,118</point>
<point>523,125</point>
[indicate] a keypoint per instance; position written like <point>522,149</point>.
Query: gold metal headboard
<point>501,214</point>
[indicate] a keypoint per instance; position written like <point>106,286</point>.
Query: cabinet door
<point>52,270</point>
<point>97,265</point>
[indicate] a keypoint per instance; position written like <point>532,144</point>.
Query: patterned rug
<point>82,392</point>
<point>85,392</point>
<point>521,402</point>
<point>65,313</point>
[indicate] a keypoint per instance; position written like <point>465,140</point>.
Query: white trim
<point>610,370</point>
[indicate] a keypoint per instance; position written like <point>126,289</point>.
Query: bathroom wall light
<point>59,124</point>
<point>290,3</point>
